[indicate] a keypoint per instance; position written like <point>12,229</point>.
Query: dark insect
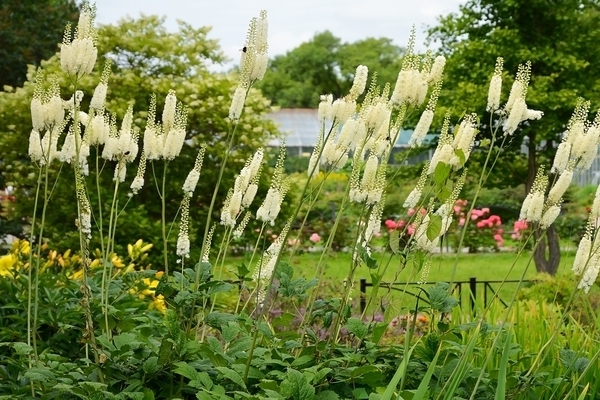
<point>244,49</point>
<point>126,153</point>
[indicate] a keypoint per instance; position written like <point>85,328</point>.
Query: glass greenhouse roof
<point>301,128</point>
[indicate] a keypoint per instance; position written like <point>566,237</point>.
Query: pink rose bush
<point>484,232</point>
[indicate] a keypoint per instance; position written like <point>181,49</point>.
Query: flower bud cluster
<point>244,190</point>
<point>516,108</point>
<point>78,56</point>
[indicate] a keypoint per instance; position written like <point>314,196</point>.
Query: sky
<point>291,22</point>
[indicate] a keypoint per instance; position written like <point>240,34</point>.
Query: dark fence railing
<point>472,284</point>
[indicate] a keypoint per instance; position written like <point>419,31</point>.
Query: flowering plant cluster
<point>520,228</point>
<point>199,345</point>
<point>483,233</point>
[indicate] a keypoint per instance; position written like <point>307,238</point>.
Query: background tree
<point>325,65</point>
<point>147,59</point>
<point>560,39</point>
<point>30,31</point>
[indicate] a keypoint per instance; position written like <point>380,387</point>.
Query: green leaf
<point>303,361</point>
<point>364,370</point>
<point>440,298</point>
<point>22,349</point>
<point>445,192</point>
<point>461,156</point>
<point>220,287</point>
<point>360,393</point>
<point>441,173</point>
<point>434,228</point>
<point>501,386</point>
<point>232,375</point>
<point>296,386</point>
<point>395,241</point>
<point>424,385</point>
<point>400,372</point>
<point>150,366</point>
<point>219,319</point>
<point>242,271</point>
<point>378,331</point>
<point>327,395</point>
<point>356,327</point>
<point>186,370</point>
<point>41,374</point>
<point>125,339</point>
<point>230,331</point>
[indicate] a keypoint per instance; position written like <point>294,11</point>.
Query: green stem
<point>31,326</point>
<point>164,220</point>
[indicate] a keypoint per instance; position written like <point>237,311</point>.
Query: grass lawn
<point>482,266</point>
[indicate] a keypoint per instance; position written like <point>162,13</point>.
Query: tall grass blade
<point>501,389</point>
<point>422,389</point>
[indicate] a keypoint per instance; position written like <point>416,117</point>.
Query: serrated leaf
<point>230,331</point>
<point>327,395</point>
<point>220,287</point>
<point>232,375</point>
<point>125,339</point>
<point>186,370</point>
<point>219,319</point>
<point>22,349</point>
<point>356,327</point>
<point>150,366</point>
<point>303,361</point>
<point>40,374</point>
<point>296,386</point>
<point>434,228</point>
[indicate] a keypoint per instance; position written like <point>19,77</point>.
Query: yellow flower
<point>76,275</point>
<point>7,264</point>
<point>117,262</point>
<point>158,304</point>
<point>151,286</point>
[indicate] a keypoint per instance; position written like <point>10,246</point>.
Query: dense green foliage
<point>147,59</point>
<point>29,33</point>
<point>558,38</point>
<point>325,65</point>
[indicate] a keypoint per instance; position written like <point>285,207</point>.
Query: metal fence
<point>489,291</point>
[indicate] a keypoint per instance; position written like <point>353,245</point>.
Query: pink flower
<point>410,211</point>
<point>498,238</point>
<point>457,209</point>
<point>315,238</point>
<point>293,242</point>
<point>515,236</point>
<point>391,225</point>
<point>485,210</point>
<point>401,224</point>
<point>474,216</point>
<point>462,221</point>
<point>520,225</point>
<point>481,224</point>
<point>411,229</point>
<point>499,231</point>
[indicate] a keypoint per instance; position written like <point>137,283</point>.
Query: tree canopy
<point>325,65</point>
<point>30,31</point>
<point>558,37</point>
<point>147,59</point>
